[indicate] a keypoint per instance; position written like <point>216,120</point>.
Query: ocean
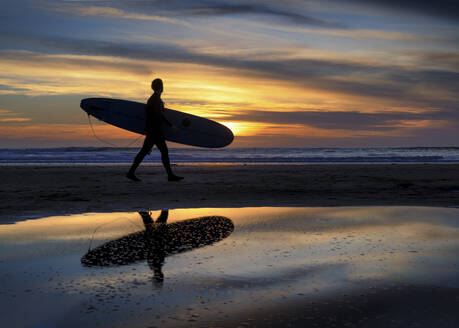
<point>112,155</point>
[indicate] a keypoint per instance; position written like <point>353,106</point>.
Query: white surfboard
<point>187,129</point>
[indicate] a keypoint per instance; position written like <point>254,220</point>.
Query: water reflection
<point>159,240</point>
<point>360,266</point>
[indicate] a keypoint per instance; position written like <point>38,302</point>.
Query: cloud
<point>406,84</point>
<point>173,11</point>
<point>259,9</point>
<point>218,8</point>
<point>440,8</point>
<point>68,61</point>
<point>6,89</point>
<point>294,11</point>
<point>7,116</point>
<point>117,13</point>
<point>63,132</point>
<point>360,33</point>
<point>14,119</point>
<point>343,120</point>
<point>448,60</point>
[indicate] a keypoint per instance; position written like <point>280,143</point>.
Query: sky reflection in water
<point>215,261</point>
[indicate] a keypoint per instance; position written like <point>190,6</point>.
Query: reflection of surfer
<point>155,242</point>
<point>154,118</point>
<point>159,240</point>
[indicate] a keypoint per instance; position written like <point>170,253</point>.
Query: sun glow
<point>243,128</point>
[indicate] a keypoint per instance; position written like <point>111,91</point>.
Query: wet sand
<point>34,191</point>
<point>234,267</point>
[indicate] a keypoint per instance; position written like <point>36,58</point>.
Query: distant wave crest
<point>94,155</point>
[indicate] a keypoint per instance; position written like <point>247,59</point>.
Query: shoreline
<point>39,190</point>
<point>177,163</point>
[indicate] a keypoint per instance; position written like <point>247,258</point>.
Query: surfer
<point>154,119</point>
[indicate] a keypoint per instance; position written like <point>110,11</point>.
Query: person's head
<point>157,85</point>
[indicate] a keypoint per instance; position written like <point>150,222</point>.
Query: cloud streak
<point>439,8</point>
<point>117,13</point>
<point>7,116</point>
<point>348,77</point>
<point>176,11</point>
<point>258,9</point>
<point>341,120</point>
<point>214,8</point>
<point>63,61</point>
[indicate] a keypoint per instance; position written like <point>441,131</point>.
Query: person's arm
<point>157,109</point>
<point>164,119</point>
<point>148,117</point>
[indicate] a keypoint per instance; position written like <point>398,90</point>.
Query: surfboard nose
<point>84,104</point>
<point>89,107</point>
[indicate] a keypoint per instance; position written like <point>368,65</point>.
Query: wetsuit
<point>154,119</point>
<point>154,116</point>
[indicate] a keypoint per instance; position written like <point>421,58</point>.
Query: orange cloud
<point>64,132</point>
<point>7,116</point>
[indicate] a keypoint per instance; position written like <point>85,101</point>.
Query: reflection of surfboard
<point>187,129</point>
<point>165,239</point>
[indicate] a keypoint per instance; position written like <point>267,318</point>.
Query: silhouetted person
<point>154,119</point>
<point>155,242</point>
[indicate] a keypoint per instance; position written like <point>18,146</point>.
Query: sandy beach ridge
<point>35,191</point>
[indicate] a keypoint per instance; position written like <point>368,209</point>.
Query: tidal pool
<point>258,266</point>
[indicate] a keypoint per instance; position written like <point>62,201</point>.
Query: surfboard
<point>187,129</point>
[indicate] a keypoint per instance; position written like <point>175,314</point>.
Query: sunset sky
<point>279,73</point>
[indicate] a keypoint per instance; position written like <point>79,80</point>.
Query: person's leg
<point>161,144</point>
<point>146,148</point>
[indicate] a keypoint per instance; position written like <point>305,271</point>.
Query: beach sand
<point>33,191</point>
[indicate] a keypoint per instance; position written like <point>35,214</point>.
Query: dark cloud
<point>37,59</point>
<point>270,9</point>
<point>440,8</point>
<point>10,88</point>
<point>338,120</point>
<point>442,59</point>
<point>446,80</point>
<point>388,82</point>
<point>227,9</point>
<point>208,8</point>
<point>293,11</point>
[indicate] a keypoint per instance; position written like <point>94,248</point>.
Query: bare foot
<point>174,178</point>
<point>132,177</point>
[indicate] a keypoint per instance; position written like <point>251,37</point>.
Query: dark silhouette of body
<point>154,119</point>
